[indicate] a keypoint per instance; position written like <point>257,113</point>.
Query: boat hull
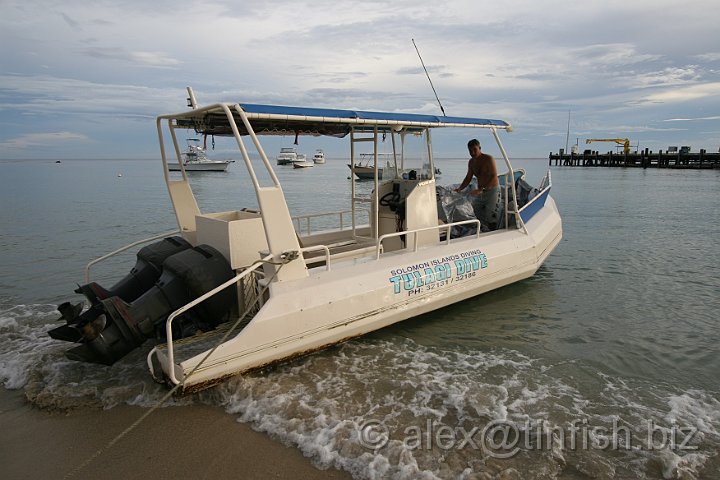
<point>331,306</point>
<point>303,164</point>
<point>319,157</point>
<point>366,173</point>
<point>213,166</point>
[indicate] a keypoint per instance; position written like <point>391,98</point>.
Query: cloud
<point>131,60</point>
<point>612,54</point>
<point>691,119</point>
<point>685,94</point>
<point>42,140</point>
<point>708,57</point>
<point>72,23</point>
<point>151,59</point>
<point>642,129</point>
<point>57,96</point>
<point>606,130</point>
<point>419,70</point>
<point>155,59</point>
<point>670,76</point>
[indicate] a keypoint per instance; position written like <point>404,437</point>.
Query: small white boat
<point>364,169</point>
<point>301,161</point>
<point>195,160</point>
<point>233,291</point>
<point>319,157</point>
<point>287,156</point>
<point>303,164</point>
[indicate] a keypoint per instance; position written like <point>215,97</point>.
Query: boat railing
<point>447,227</point>
<point>299,219</point>
<point>546,181</point>
<point>325,248</point>
<point>200,299</point>
<point>122,249</point>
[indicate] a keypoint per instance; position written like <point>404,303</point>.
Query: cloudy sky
<point>86,79</point>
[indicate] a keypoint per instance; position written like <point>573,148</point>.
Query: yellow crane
<point>620,141</point>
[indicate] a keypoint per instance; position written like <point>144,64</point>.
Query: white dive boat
<point>319,157</point>
<point>287,156</point>
<point>195,160</point>
<point>229,292</point>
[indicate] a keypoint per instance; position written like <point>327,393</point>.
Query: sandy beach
<point>195,441</point>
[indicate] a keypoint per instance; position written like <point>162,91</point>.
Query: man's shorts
<point>487,207</point>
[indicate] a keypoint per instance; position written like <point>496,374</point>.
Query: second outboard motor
<point>143,275</point>
<point>112,327</point>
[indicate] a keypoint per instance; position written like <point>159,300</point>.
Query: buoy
<point>119,174</point>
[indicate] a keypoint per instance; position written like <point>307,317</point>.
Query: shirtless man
<point>486,197</point>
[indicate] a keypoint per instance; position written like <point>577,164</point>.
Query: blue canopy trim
<point>363,115</point>
<point>285,120</point>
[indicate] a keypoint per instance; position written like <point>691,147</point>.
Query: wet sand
<point>196,442</point>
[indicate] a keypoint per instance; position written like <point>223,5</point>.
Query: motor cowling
<point>147,269</point>
<point>112,327</point>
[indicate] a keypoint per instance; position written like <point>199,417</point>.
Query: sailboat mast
<point>567,135</point>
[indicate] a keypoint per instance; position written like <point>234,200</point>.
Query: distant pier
<point>643,159</point>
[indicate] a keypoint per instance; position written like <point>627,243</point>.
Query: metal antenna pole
<point>567,135</point>
<point>428,77</point>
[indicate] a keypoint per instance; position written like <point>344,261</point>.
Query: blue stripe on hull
<point>529,210</point>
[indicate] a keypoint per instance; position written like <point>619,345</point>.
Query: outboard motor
<point>144,274</point>
<point>114,326</point>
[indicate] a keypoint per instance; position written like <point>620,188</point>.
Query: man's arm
<point>468,178</point>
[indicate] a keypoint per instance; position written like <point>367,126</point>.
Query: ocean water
<point>605,364</point>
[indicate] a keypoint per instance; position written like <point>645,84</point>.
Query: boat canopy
<point>284,120</point>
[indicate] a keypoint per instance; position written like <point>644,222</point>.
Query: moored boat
<point>364,168</point>
<point>303,164</point>
<point>319,157</point>
<point>234,291</point>
<point>287,156</point>
<point>195,159</point>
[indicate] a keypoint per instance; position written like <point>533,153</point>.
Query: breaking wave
<point>429,408</point>
<point>32,361</point>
